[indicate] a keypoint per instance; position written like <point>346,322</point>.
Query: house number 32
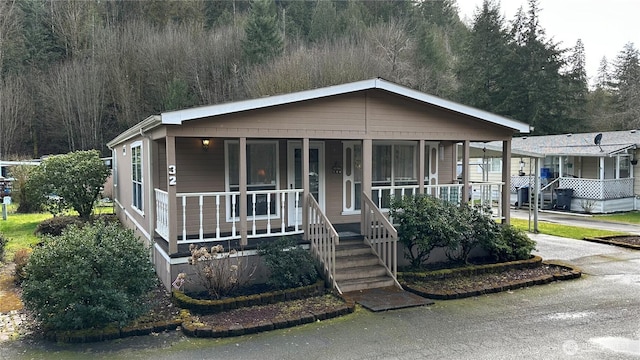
<point>172,175</point>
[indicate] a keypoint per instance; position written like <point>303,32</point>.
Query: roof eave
<point>145,125</point>
<point>179,116</point>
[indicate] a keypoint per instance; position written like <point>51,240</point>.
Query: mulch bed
<point>627,241</point>
<point>499,280</point>
<point>272,312</point>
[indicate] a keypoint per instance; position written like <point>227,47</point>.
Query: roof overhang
<point>179,116</point>
<point>136,130</point>
<point>494,149</point>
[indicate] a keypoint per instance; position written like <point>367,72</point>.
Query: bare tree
<point>76,96</point>
<point>73,21</point>
<point>15,106</point>
<point>393,42</point>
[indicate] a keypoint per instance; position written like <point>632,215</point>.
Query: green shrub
<point>55,226</point>
<point>512,244</point>
<point>3,244</point>
<point>69,181</point>
<point>424,223</point>
<point>290,265</point>
<point>88,277</point>
<point>475,228</point>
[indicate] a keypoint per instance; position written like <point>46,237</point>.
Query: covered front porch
<point>242,191</point>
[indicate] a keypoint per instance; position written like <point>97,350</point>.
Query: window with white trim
<point>262,174</point>
<point>136,176</point>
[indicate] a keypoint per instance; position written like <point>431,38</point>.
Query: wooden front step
<point>357,268</point>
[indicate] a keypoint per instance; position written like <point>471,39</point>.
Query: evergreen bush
<point>88,277</point>
<point>290,265</point>
<point>424,223</point>
<point>56,225</point>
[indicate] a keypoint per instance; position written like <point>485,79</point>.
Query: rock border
<point>573,273</point>
<point>204,307</point>
<point>610,240</point>
<point>189,327</point>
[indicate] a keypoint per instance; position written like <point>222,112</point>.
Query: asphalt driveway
<point>595,317</point>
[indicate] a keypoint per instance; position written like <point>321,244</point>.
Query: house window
<point>394,165</point>
<point>262,174</point>
<point>136,175</point>
<point>495,165</point>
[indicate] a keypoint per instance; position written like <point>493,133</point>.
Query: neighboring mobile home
<point>304,164</point>
<point>597,169</point>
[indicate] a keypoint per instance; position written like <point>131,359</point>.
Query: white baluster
<point>218,216</point>
<point>253,197</point>
<point>268,213</point>
<point>233,215</point>
<point>201,230</point>
<point>282,204</point>
<point>184,218</point>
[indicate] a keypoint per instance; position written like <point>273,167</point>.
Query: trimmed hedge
<point>203,307</point>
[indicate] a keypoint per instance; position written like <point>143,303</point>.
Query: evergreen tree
<point>626,88</point>
<point>535,83</point>
<point>482,69</point>
<point>323,22</point>
<point>263,40</point>
<point>603,78</point>
<point>576,90</point>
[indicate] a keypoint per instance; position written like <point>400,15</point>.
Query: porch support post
<point>536,189</point>
<point>465,171</point>
<point>506,179</point>
<point>305,188</point>
<point>367,155</point>
<point>421,169</point>
<point>601,168</point>
<point>171,194</point>
<point>151,160</point>
<point>243,191</point>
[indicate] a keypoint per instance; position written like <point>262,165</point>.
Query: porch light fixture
<point>205,144</point>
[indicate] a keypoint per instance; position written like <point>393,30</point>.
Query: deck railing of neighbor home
<point>596,189</point>
<point>213,216</point>
<point>381,236</point>
<point>323,238</point>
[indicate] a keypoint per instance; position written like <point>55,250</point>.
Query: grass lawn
<point>572,232</point>
<point>632,217</point>
<point>19,229</point>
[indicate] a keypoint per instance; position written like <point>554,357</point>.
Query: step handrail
<point>323,238</point>
<point>381,236</point>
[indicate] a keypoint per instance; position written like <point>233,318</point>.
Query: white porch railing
<point>381,236</point>
<point>481,193</point>
<point>162,213</point>
<point>213,216</point>
<point>598,189</point>
<point>324,238</point>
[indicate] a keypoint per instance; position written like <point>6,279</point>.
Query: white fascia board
<point>145,125</point>
<point>453,106</point>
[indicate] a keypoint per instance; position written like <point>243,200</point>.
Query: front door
<point>316,177</point>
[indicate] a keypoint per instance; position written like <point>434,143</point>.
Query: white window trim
<point>228,186</point>
<point>137,144</point>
